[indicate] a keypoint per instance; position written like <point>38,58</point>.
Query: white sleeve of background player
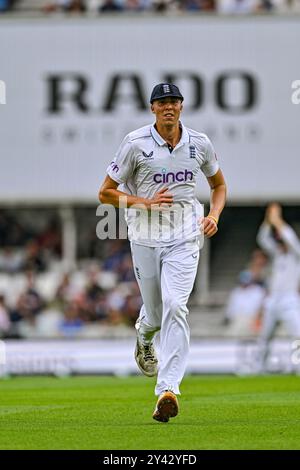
<point>123,165</point>
<point>210,165</point>
<point>290,238</point>
<point>266,241</point>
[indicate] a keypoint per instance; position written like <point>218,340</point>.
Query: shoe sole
<point>154,374</point>
<point>167,407</point>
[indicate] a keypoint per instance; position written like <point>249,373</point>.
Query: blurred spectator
<point>12,233</point>
<point>125,271</point>
<point>116,251</point>
<point>29,303</point>
<point>65,292</point>
<point>75,6</point>
<point>50,238</point>
<point>92,304</point>
<point>4,225</point>
<point>4,317</point>
<point>93,289</point>
<point>116,303</point>
<point>198,5</point>
<point>236,7</point>
<point>258,267</point>
<point>72,323</point>
<point>133,303</point>
<point>264,6</point>
<point>24,247</point>
<point>244,304</point>
<point>18,235</point>
<point>192,5</point>
<point>161,6</point>
<point>68,6</point>
<point>232,7</point>
<point>33,257</point>
<point>133,5</point>
<point>208,5</point>
<point>101,309</point>
<point>109,6</point>
<point>11,261</point>
<point>90,246</point>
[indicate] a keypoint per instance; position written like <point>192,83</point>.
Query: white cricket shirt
<point>285,272</point>
<point>144,164</point>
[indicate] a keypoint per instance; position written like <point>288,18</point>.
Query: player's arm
<point>289,237</point>
<point>265,240</point>
<point>273,218</point>
<point>217,202</point>
<point>109,194</point>
<point>286,233</point>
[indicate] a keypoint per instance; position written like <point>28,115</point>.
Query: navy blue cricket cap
<point>165,90</point>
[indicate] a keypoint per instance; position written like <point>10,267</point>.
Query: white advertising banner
<point>73,89</point>
<point>207,356</point>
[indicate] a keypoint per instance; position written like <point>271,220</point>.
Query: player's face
<point>167,110</point>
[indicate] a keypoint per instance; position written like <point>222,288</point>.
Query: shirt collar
<point>185,138</point>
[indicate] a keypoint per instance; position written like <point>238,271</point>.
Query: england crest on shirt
<point>192,151</point>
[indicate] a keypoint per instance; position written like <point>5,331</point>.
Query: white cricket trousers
<point>284,308</point>
<point>166,276</point>
<point>281,307</point>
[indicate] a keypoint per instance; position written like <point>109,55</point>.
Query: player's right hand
<point>208,226</point>
<point>162,197</point>
<point>273,213</point>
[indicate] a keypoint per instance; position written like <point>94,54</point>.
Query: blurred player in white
<point>244,302</point>
<point>282,304</point>
<point>156,167</point>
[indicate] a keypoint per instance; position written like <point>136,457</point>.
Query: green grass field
<point>116,413</point>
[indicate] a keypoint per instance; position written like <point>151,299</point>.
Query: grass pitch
<point>116,413</point>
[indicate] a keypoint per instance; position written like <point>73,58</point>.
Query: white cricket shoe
<point>145,358</point>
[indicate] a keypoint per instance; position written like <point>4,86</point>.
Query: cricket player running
<point>282,304</point>
<point>156,167</point>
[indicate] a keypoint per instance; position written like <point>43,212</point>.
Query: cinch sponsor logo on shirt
<point>171,177</point>
<point>114,167</point>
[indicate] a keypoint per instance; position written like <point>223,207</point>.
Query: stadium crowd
<point>39,296</point>
<point>230,7</point>
<point>35,286</point>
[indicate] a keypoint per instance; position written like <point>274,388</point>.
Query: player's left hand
<point>208,226</point>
